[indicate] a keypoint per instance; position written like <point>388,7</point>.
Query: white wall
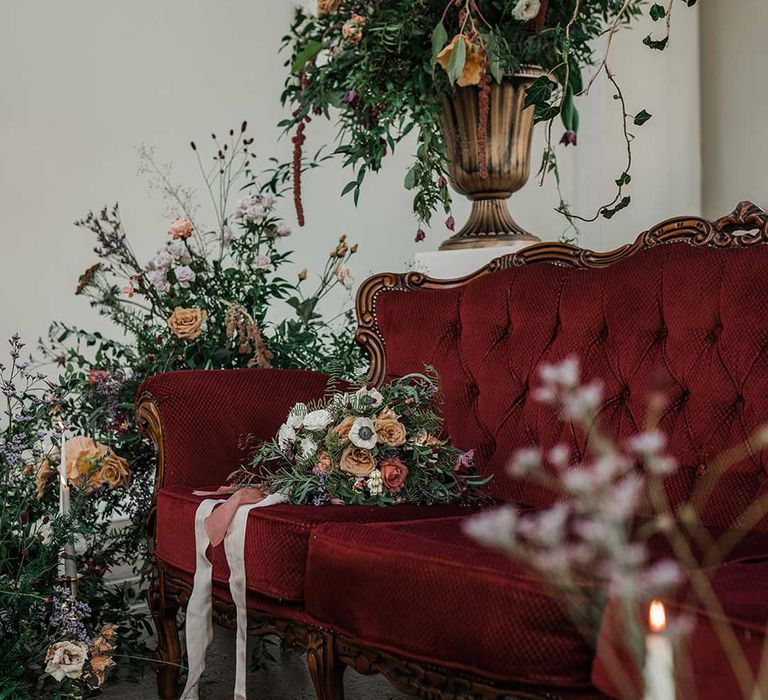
<point>84,82</point>
<point>734,62</point>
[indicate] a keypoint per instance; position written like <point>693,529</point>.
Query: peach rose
<point>83,457</point>
<point>474,64</point>
<point>180,228</point>
<point>390,430</point>
<point>114,472</point>
<point>343,428</point>
<point>393,473</point>
<point>357,461</point>
<point>323,462</point>
<point>326,7</point>
<point>186,323</point>
<point>353,29</point>
<point>42,475</point>
<point>99,665</point>
<point>423,438</point>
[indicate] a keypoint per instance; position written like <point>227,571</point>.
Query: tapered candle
<point>67,567</point>
<point>659,671</point>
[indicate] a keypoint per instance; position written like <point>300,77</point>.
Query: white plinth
<point>447,264</point>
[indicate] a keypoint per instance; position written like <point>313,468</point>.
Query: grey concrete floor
<point>287,679</point>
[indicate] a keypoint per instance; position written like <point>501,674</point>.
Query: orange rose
<point>474,64</point>
<point>357,461</point>
<point>390,430</point>
<point>343,428</point>
<point>393,473</point>
<point>186,323</point>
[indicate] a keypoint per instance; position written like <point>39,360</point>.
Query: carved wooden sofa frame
<point>328,654</point>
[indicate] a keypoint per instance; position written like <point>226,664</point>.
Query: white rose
<point>185,276</point>
<point>285,436</point>
<point>317,420</point>
<point>526,10</point>
<point>363,434</point>
<point>368,398</point>
<point>179,250</point>
<point>296,416</point>
<point>267,201</point>
<point>158,280</point>
<point>66,660</point>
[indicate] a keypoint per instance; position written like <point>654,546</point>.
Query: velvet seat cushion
<point>425,591</point>
<point>276,540</point>
<point>702,669</point>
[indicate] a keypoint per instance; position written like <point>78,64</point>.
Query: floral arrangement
<point>48,647</point>
<point>383,65</point>
<point>214,295</point>
<point>373,446</point>
<point>591,533</point>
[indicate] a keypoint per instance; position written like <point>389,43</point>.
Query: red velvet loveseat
<point>401,590</point>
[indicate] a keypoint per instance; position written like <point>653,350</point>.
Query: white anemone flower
<point>368,398</point>
<point>363,434</point>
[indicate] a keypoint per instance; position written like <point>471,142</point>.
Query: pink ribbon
<point>217,523</point>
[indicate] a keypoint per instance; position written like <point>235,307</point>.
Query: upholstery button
<point>625,392</point>
<point>701,469</point>
<point>603,334</point>
<point>662,333</point>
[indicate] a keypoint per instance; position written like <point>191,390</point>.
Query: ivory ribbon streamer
<point>199,632</point>
<point>198,626</point>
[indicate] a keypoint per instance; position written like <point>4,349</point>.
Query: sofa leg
<point>165,608</point>
<point>326,671</point>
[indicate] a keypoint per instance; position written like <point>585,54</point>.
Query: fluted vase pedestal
<point>509,131</point>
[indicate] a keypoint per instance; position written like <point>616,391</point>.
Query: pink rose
<point>393,473</point>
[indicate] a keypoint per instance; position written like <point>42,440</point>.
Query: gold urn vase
<point>508,146</point>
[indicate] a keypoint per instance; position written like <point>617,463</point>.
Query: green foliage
<point>388,85</point>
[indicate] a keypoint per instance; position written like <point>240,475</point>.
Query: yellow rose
<point>390,430</point>
<point>357,461</point>
<point>474,64</point>
<point>186,323</point>
<point>114,472</point>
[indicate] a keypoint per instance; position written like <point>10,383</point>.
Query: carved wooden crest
<point>747,225</point>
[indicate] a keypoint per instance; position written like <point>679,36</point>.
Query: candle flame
<point>657,616</point>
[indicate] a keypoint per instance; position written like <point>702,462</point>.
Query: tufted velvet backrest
<point>692,319</point>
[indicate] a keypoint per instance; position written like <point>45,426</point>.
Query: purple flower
<point>465,462</point>
<point>420,235</point>
<point>450,223</point>
<point>570,138</point>
<point>351,98</point>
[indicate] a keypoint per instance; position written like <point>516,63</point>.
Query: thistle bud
<point>303,275</point>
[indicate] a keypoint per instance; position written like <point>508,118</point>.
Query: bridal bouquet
<point>374,446</point>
